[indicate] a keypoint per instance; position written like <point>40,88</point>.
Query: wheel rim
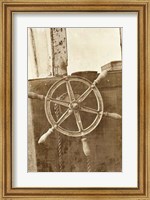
<point>73,106</point>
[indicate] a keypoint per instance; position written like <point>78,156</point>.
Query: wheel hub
<point>74,106</point>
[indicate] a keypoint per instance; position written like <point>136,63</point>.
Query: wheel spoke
<point>64,116</point>
<point>59,102</point>
<point>84,95</point>
<point>78,120</point>
<point>89,110</point>
<point>70,91</point>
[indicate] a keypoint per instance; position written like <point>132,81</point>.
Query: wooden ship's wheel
<point>71,103</point>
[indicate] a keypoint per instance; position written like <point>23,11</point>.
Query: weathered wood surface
<point>59,51</point>
<point>32,161</point>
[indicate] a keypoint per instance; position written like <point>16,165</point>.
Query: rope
<point>59,143</point>
<point>59,151</point>
<point>88,164</point>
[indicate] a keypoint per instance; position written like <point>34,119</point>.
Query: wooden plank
<point>59,51</point>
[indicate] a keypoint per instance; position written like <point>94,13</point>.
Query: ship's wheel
<point>72,105</point>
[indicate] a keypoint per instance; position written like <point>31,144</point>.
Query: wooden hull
<point>105,141</point>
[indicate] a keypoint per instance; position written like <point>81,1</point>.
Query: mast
<point>59,51</point>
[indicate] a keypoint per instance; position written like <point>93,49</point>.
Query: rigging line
<point>34,51</point>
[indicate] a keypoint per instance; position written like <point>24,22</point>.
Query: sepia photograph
<point>74,99</point>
